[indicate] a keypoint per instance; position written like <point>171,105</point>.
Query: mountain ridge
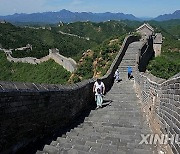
<point>67,16</point>
<point>175,15</point>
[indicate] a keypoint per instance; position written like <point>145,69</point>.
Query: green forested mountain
<point>104,40</point>
<point>96,62</point>
<point>171,32</point>
<point>168,63</point>
<point>41,40</point>
<point>97,32</point>
<point>46,72</point>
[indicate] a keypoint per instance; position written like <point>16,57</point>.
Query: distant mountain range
<point>68,16</point>
<point>175,15</point>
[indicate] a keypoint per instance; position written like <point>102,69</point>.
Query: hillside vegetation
<point>104,42</point>
<point>46,72</point>
<point>41,40</point>
<point>96,62</point>
<point>171,33</point>
<point>168,63</point>
<point>97,32</point>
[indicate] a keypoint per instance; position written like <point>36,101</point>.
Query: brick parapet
<point>161,99</point>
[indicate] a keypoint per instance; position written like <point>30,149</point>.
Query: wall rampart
<point>160,102</point>
<point>68,63</point>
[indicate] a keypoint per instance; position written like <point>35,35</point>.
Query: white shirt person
<point>99,90</point>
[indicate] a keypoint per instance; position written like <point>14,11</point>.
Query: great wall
<point>68,63</point>
<point>145,105</point>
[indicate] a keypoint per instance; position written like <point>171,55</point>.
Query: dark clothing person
<point>129,72</point>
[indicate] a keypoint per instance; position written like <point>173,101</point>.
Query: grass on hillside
<point>46,72</point>
<point>97,61</point>
<point>42,40</point>
<point>166,65</point>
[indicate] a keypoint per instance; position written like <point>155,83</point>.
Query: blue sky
<point>139,8</point>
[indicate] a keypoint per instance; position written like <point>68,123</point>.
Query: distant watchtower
<point>3,22</point>
<point>145,30</point>
<point>54,50</point>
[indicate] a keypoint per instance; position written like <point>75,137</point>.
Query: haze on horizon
<point>139,8</point>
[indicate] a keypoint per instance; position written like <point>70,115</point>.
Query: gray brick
<point>50,149</point>
<point>93,144</point>
<point>82,148</point>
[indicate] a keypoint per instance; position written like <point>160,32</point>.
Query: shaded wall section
<point>146,54</point>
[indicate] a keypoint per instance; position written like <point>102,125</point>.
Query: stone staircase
<point>129,58</point>
<point>114,129</point>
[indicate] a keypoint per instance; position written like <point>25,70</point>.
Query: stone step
<point>131,61</point>
<point>120,123</point>
<point>98,141</point>
<point>86,144</point>
<point>125,65</point>
<point>108,129</point>
<point>120,68</point>
<point>129,58</point>
<point>50,149</point>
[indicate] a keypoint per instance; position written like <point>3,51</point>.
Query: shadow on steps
<point>39,143</point>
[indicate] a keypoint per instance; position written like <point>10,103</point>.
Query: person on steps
<point>99,90</point>
<point>129,73</point>
<point>116,76</point>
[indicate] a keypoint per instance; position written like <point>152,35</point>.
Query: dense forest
<point>46,72</point>
<point>93,55</point>
<point>41,40</point>
<point>97,32</point>
<point>168,63</point>
<point>44,38</point>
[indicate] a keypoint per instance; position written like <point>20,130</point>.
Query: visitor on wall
<point>130,76</point>
<point>117,76</point>
<point>99,90</point>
